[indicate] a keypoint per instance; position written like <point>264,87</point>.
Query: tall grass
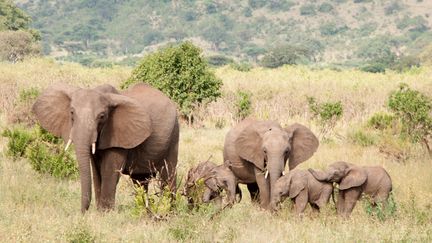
<point>35,208</point>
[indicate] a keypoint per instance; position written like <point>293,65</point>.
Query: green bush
<point>381,121</point>
<point>181,73</point>
<point>80,234</point>
<point>331,28</point>
<point>325,8</point>
<point>327,114</point>
<point>241,66</point>
<point>413,109</point>
<point>44,151</point>
<point>405,63</point>
<point>19,139</point>
<point>286,54</point>
<point>219,60</point>
<point>243,104</point>
<point>380,210</point>
<point>374,67</point>
<point>362,138</point>
<point>307,9</point>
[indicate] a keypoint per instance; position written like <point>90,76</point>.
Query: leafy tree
<point>325,7</point>
<point>286,54</point>
<point>414,110</point>
<point>16,45</point>
<point>181,73</point>
<point>331,28</point>
<point>307,9</point>
<point>12,18</point>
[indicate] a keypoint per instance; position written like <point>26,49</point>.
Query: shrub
<point>374,67</point>
<point>307,9</point>
<point>327,113</point>
<point>380,121</point>
<point>241,66</point>
<point>392,8</point>
<point>18,141</point>
<point>405,63</point>
<point>44,151</point>
<point>80,234</point>
<point>16,45</point>
<point>286,54</point>
<point>413,109</point>
<point>22,114</point>
<point>325,8</point>
<point>243,104</point>
<point>380,210</point>
<point>181,73</point>
<point>332,28</point>
<point>219,60</point>
<point>362,138</point>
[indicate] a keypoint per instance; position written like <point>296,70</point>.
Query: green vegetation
<point>17,40</point>
<point>102,33</point>
<point>327,114</point>
<point>413,109</point>
<point>243,104</point>
<point>44,151</point>
<point>181,73</point>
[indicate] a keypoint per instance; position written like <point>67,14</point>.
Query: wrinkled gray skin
<point>256,148</point>
<point>354,180</point>
<point>128,130</point>
<point>222,178</point>
<point>301,187</point>
<point>216,178</point>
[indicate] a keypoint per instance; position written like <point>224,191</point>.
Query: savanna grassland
<point>39,208</point>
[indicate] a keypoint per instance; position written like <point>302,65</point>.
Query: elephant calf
<point>216,178</point>
<point>354,180</point>
<point>302,187</point>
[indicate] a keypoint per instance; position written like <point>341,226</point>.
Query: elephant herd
<point>136,132</point>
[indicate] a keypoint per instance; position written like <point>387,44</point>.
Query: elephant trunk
<point>83,157</point>
<point>275,169</point>
<point>84,140</point>
<point>320,175</point>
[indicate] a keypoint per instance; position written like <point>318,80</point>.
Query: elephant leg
<point>111,162</point>
<point>253,191</point>
<point>301,201</point>
<point>315,207</point>
<point>96,181</point>
<point>168,171</point>
<point>238,193</point>
<point>340,203</point>
<point>264,188</point>
<point>351,195</point>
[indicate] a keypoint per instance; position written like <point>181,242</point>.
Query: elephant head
<point>289,185</point>
<point>345,174</point>
<point>268,146</point>
<point>98,118</point>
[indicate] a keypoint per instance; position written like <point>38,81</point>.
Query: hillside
<point>334,31</point>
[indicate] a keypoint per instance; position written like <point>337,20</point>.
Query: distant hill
<point>337,31</point>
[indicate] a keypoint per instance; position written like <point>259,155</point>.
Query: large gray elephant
<point>135,131</point>
<point>354,180</point>
<point>258,151</point>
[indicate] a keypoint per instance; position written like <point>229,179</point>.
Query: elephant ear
<point>106,88</point>
<point>127,126</point>
<point>248,146</point>
<point>303,144</point>
<point>355,177</point>
<point>52,109</point>
<point>297,184</point>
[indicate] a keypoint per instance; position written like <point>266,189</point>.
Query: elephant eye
<point>101,116</point>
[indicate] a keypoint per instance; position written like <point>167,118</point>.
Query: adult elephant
<point>258,151</point>
<point>135,131</point>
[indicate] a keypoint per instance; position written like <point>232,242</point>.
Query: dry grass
<point>37,208</point>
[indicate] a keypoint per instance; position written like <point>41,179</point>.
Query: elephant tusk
<point>68,144</point>
<point>283,173</point>
<point>93,148</point>
<point>266,174</point>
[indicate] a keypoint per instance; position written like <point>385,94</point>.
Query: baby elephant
<point>354,180</point>
<point>301,187</point>
<point>216,178</point>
